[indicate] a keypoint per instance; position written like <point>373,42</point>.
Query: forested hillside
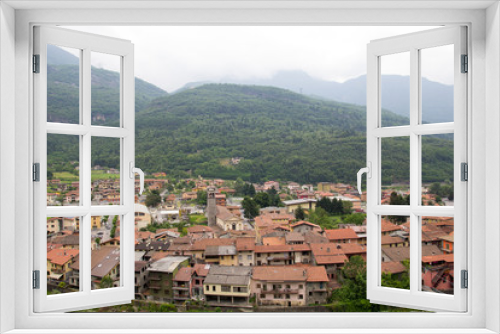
<point>278,134</point>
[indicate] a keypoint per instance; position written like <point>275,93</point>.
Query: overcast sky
<point>170,57</point>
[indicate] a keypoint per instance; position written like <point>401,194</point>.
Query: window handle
<point>368,171</point>
<point>135,170</point>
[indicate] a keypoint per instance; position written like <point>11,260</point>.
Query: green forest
<point>280,135</point>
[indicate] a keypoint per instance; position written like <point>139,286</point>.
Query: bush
<point>168,308</point>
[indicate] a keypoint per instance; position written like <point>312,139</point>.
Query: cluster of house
<point>273,261</point>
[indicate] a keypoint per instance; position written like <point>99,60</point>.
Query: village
<point>195,244</point>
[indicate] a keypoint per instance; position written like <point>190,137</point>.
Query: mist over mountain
<point>437,101</point>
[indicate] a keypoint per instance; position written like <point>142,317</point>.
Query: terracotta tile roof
<point>201,269</point>
<point>450,237</point>
<point>294,237</point>
<point>387,240</point>
<point>183,240</point>
<point>183,275</point>
<point>398,254</point>
<point>171,198</point>
<point>155,256</point>
<point>280,273</point>
<point>387,226</point>
<point>314,237</point>
<point>331,259</point>
<point>203,243</point>
<point>438,258</point>
<point>223,213</point>
<point>245,244</point>
<point>61,256</point>
<point>104,260</point>
<point>322,249</point>
<point>199,229</point>
<point>138,265</point>
<point>351,249</point>
<point>303,222</point>
<point>317,274</point>
<point>341,234</point>
<point>281,248</point>
<point>272,241</point>
<point>393,267</point>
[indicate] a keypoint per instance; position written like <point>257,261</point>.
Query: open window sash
<point>85,295</point>
<point>416,297</point>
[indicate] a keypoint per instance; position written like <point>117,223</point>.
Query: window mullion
<point>85,174</point>
<point>414,169</point>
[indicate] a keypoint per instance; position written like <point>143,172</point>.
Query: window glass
<point>63,250</point>
<point>437,77</point>
<point>395,169</point>
<point>437,170</point>
<point>106,87</point>
<point>395,251</point>
<point>63,170</point>
<point>105,259</point>
<point>395,89</point>
<point>63,84</point>
<point>106,167</point>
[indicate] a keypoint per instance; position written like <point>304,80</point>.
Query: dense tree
<point>153,198</point>
<point>355,218</point>
<point>262,199</point>
<point>397,199</point>
<point>300,214</point>
<point>351,297</point>
<point>201,197</point>
<point>250,207</point>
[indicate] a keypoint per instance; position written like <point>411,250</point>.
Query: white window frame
<point>484,37</point>
<point>413,44</point>
<point>125,132</point>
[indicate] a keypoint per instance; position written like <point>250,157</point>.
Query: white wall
<point>492,165</point>
<point>7,160</point>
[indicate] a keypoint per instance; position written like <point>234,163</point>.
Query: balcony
<point>280,291</point>
<point>155,286</point>
<point>182,288</point>
<point>155,278</point>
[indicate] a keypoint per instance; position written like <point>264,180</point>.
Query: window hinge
<point>36,172</point>
<point>465,64</point>
<point>36,279</point>
<point>36,63</point>
<point>465,279</point>
<point>464,167</point>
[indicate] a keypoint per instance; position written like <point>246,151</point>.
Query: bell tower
<point>211,209</point>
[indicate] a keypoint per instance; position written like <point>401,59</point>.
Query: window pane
<point>63,244</point>
<point>63,84</point>
<point>437,254</point>
<point>63,170</point>
<point>105,261</point>
<point>437,170</point>
<point>395,80</point>
<point>395,169</point>
<point>437,70</point>
<point>395,250</point>
<point>105,171</point>
<point>105,89</point>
